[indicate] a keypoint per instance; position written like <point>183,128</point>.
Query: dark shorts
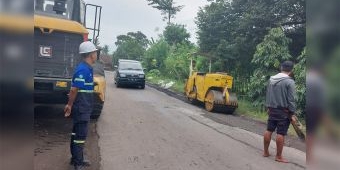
<point>281,126</point>
<point>278,120</point>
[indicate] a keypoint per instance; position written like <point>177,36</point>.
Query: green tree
<point>130,46</point>
<point>231,30</point>
<point>202,64</point>
<point>218,36</point>
<point>269,54</point>
<point>137,37</point>
<point>300,81</point>
<point>176,33</point>
<point>156,55</point>
<point>167,7</point>
<point>105,49</point>
<point>178,62</point>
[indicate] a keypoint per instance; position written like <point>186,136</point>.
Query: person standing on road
<point>80,103</point>
<point>280,102</point>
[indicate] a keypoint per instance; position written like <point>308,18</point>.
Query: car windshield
<point>130,66</point>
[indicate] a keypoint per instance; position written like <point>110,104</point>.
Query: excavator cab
<point>59,27</point>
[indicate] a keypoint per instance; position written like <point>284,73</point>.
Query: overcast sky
<point>122,16</point>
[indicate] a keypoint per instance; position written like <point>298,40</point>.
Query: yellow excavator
<point>59,27</point>
<point>213,89</point>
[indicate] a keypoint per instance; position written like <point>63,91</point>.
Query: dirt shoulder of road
<point>52,140</point>
<point>235,120</point>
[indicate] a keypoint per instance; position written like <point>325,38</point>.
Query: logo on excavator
<point>45,51</point>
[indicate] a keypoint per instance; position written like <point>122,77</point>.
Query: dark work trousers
<point>79,134</point>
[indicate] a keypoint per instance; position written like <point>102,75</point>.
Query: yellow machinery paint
<point>213,89</point>
<point>100,86</point>
<point>63,25</point>
<point>56,25</point>
<point>16,23</point>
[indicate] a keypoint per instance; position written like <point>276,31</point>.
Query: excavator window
<point>57,8</point>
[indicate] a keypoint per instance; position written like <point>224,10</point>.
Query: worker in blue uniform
<point>80,103</point>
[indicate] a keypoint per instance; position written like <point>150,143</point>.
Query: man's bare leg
<point>280,139</point>
<point>266,142</point>
<point>309,145</point>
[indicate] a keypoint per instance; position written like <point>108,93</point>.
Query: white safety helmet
<point>87,47</point>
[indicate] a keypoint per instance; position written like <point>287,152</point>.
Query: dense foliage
<point>247,39</point>
<point>130,46</point>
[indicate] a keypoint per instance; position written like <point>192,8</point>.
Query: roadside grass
<point>178,86</point>
<point>152,79</point>
<point>245,107</point>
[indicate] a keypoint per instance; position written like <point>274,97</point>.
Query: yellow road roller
<point>213,89</point>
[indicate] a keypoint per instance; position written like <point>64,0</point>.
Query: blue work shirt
<point>83,104</point>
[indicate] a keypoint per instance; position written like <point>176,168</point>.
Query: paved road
<point>52,134</point>
<point>146,129</point>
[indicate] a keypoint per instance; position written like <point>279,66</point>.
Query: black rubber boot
<point>79,167</point>
<point>85,163</point>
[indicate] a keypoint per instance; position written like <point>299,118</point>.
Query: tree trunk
<point>169,16</point>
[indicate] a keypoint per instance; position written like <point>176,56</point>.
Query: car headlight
<point>122,75</point>
<point>141,76</point>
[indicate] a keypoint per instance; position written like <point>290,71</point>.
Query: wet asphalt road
<point>147,129</point>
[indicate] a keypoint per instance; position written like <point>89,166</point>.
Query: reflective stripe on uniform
<point>85,91</point>
<point>89,84</point>
<point>79,141</point>
<point>79,79</point>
